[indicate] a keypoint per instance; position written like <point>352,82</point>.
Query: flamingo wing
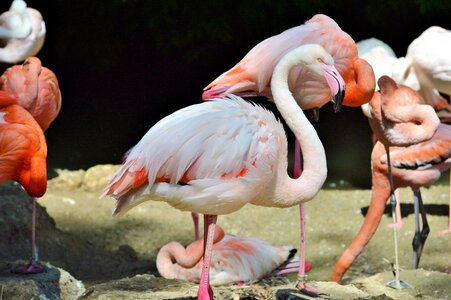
<point>423,155</point>
<point>210,150</point>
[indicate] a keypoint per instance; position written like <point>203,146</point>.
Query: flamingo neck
<point>290,191</point>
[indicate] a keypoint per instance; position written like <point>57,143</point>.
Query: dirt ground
<point>105,253</point>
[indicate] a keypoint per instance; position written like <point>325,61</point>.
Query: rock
<point>67,179</point>
<point>97,177</point>
<point>53,283</point>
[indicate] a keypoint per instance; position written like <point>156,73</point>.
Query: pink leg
<point>399,221</point>
<point>195,217</point>
<point>302,278</point>
<point>448,230</point>
<point>33,267</point>
<point>205,292</point>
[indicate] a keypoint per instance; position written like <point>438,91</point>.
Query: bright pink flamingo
<point>397,119</point>
<point>23,153</point>
<point>36,89</point>
<point>234,259</point>
<point>415,166</point>
<point>252,76</point>
<point>23,31</point>
<point>214,157</point>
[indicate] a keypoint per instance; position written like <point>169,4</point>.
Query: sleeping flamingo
<point>234,259</point>
<point>23,153</point>
<point>36,89</point>
<point>397,119</point>
<point>22,30</point>
<point>252,76</point>
<point>214,157</point>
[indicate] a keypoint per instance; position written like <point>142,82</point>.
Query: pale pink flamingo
<point>23,153</point>
<point>36,89</point>
<point>22,30</point>
<point>234,259</point>
<point>428,56</point>
<point>252,76</point>
<point>214,157</point>
<point>397,119</point>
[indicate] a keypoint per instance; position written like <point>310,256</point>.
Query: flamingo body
<point>234,259</point>
<point>23,150</point>
<point>252,75</point>
<point>36,89</point>
<point>181,172</point>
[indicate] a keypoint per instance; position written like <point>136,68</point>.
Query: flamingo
<point>23,31</point>
<point>214,157</point>
<point>252,75</point>
<point>419,70</point>
<point>23,153</point>
<point>36,89</point>
<point>234,259</point>
<point>415,166</point>
<point>396,118</point>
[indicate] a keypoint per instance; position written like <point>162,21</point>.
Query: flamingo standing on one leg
<point>396,119</point>
<point>23,153</point>
<point>36,89</point>
<point>23,31</point>
<point>252,75</point>
<point>214,157</point>
<point>234,259</point>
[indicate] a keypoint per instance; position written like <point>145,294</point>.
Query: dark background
<point>124,64</point>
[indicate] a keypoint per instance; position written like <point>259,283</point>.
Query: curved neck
<point>304,188</point>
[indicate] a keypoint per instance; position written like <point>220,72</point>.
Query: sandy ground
<point>81,237</point>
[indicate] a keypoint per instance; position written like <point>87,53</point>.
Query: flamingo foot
<point>205,294</point>
<point>444,231</point>
<point>398,224</point>
<point>307,289</point>
<point>33,267</point>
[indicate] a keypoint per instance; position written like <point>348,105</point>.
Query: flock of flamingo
<point>214,157</point>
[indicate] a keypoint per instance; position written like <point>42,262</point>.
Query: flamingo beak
<point>336,84</point>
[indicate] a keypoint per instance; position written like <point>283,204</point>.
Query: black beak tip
<point>338,100</point>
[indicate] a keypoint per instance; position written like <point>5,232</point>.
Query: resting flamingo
<point>397,119</point>
<point>234,259</point>
<point>22,30</point>
<point>214,157</point>
<point>252,75</point>
<point>36,89</point>
<point>23,153</point>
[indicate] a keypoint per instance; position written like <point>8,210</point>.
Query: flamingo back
<point>253,73</point>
